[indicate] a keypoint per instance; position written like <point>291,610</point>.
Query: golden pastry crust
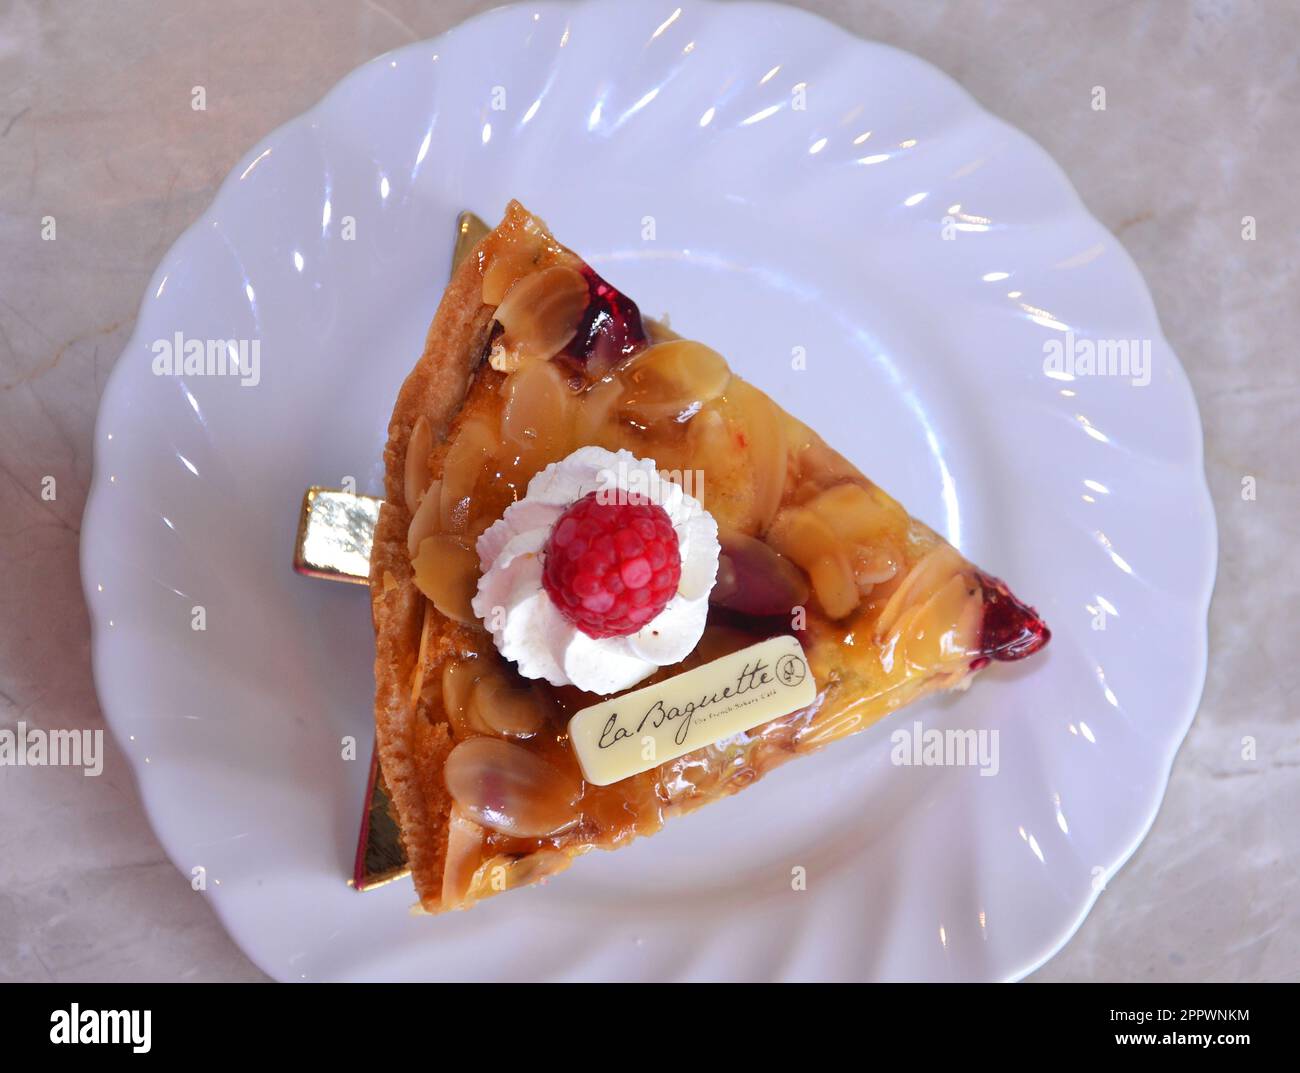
<point>413,736</point>
<point>411,749</point>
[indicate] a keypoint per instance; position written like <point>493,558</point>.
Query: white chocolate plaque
<point>648,727</point>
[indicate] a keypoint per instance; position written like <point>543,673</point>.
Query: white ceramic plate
<point>800,184</point>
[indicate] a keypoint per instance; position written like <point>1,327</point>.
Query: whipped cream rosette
<point>600,575</point>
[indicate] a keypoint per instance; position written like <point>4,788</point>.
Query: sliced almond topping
<point>597,412</point>
<point>929,572</point>
<point>966,634</point>
<point>464,850</point>
<point>458,680</point>
<point>941,628</point>
<point>539,315</point>
<point>832,581</point>
<point>872,567</point>
<point>535,417</point>
<point>760,420</point>
<point>522,245</point>
<point>425,521</point>
<point>860,515</point>
<point>801,535</point>
<point>446,571</point>
<point>816,462</point>
<point>417,679</point>
<point>510,263</point>
<point>673,381</point>
<point>536,867</point>
<point>418,449</point>
<point>465,460</point>
<point>712,448</point>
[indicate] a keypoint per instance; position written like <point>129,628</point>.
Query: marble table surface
<point>1203,104</point>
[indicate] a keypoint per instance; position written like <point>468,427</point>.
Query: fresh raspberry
<point>612,567</point>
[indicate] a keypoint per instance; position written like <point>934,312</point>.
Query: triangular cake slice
<point>532,361</point>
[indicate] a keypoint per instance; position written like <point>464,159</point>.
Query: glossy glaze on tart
<point>532,355</point>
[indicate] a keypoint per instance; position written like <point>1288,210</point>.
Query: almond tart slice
<point>532,355</point>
